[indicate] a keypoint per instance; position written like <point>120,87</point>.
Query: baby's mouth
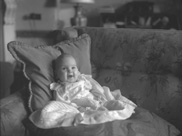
<point>70,76</point>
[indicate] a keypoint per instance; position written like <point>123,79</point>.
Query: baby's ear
<point>79,72</point>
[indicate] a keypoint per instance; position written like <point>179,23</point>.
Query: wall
<point>26,7</point>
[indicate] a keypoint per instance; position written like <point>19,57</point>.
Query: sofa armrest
<point>13,112</point>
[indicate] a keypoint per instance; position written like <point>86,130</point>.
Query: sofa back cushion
<point>139,49</point>
<point>144,64</point>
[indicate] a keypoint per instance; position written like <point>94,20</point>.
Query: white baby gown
<point>100,107</point>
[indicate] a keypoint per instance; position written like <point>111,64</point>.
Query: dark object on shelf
<point>164,21</point>
<point>135,14</point>
<point>107,15</point>
<point>140,14</point>
<point>140,8</point>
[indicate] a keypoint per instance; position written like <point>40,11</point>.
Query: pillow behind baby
<point>37,62</point>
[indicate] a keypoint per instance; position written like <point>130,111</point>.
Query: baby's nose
<point>69,69</point>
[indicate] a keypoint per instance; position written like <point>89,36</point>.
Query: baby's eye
<point>64,68</point>
<point>73,67</point>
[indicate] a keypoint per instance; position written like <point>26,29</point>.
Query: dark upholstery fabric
<point>13,112</point>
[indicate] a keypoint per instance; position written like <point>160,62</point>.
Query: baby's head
<point>66,68</point>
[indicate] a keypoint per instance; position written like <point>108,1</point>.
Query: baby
<point>75,88</point>
<point>79,99</point>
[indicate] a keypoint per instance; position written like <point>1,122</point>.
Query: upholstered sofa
<point>144,64</point>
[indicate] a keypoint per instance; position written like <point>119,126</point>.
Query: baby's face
<point>67,70</point>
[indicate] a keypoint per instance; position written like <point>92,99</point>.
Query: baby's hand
<point>82,109</point>
<point>102,108</point>
<point>97,94</point>
<point>78,119</point>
